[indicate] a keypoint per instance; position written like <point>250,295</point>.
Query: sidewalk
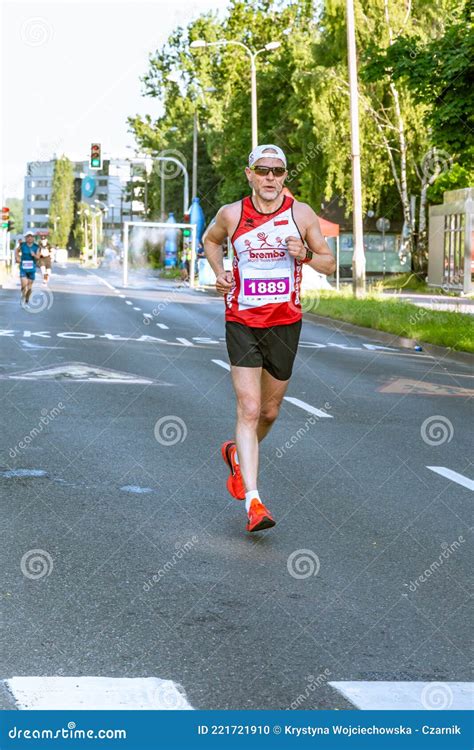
<point>436,301</point>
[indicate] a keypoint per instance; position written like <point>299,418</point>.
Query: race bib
<point>265,286</point>
<point>27,265</point>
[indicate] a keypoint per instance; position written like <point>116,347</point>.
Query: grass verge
<point>451,329</point>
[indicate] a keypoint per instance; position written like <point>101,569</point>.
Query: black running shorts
<point>272,348</point>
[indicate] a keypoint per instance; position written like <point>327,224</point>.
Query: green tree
<point>303,101</point>
<point>432,63</point>
<point>61,208</point>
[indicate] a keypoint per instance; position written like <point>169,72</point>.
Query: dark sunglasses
<point>263,171</point>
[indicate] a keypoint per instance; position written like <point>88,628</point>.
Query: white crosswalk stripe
<point>54,693</point>
<point>407,696</point>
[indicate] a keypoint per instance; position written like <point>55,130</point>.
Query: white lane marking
<point>28,345</point>
<point>96,693</point>
<point>163,326</point>
<point>407,696</point>
<point>103,281</point>
<point>127,302</point>
<point>122,296</point>
<point>138,308</point>
<point>453,476</point>
<point>377,347</point>
<point>14,473</point>
<point>344,346</point>
<point>204,340</point>
<point>185,342</point>
<point>307,407</point>
<point>219,362</point>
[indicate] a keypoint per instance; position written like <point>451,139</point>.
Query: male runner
<point>26,254</point>
<point>272,235</point>
<point>45,259</point>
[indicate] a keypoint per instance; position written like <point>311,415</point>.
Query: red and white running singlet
<point>267,280</point>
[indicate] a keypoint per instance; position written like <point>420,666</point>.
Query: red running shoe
<point>259,517</point>
<point>235,483</point>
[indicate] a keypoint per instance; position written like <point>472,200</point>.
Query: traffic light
<point>95,161</point>
<point>11,225</point>
<point>186,219</point>
<point>5,217</point>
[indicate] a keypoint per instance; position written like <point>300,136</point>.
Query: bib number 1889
<point>263,286</point>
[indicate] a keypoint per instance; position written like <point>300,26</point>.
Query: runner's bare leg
<point>272,392</point>
<point>247,386</point>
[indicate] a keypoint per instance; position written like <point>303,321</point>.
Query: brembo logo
<point>266,251</point>
<point>273,254</point>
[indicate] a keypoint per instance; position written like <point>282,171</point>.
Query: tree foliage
<point>61,207</point>
<point>303,99</point>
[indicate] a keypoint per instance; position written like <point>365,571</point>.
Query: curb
<point>438,352</point>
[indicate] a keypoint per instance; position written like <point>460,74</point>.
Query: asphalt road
<point>143,567</point>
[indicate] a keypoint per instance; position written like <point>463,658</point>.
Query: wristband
<point>308,257</point>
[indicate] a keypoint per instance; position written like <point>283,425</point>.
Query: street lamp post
<point>253,73</point>
<point>358,257</point>
<point>148,158</point>
<point>208,89</point>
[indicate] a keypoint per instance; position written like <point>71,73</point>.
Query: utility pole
<point>358,257</point>
<point>195,153</point>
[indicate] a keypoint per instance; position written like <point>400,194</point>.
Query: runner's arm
<point>212,241</point>
<point>215,235</point>
<point>323,260</point>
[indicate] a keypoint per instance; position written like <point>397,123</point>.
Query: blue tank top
<point>27,262</point>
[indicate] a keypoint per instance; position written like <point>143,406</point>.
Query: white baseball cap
<point>269,150</point>
<point>29,232</point>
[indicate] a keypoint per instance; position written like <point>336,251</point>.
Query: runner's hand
<point>224,282</point>
<point>296,247</point>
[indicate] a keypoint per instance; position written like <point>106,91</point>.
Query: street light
<point>207,90</point>
<point>358,256</point>
<point>253,72</point>
<point>55,219</point>
<point>173,129</point>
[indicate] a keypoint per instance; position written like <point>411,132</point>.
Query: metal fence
<point>451,242</point>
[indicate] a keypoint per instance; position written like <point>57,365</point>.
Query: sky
<point>70,75</point>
